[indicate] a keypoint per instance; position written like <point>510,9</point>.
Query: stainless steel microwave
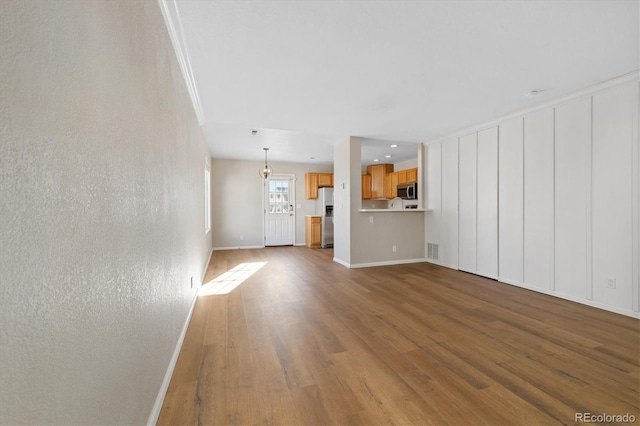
<point>408,191</point>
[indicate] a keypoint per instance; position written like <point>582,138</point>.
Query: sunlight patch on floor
<point>227,282</point>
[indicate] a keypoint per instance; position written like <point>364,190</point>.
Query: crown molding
<point>171,17</point>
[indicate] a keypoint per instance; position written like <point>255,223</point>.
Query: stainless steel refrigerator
<point>325,198</point>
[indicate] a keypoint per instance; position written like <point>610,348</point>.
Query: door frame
<point>292,201</point>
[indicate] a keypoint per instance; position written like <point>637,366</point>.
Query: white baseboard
<point>342,262</point>
<point>592,303</point>
<point>238,248</point>
<point>153,417</point>
<point>387,263</point>
<point>299,244</point>
<point>155,412</point>
<point>206,265</point>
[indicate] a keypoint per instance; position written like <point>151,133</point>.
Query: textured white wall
<point>101,207</point>
<point>237,200</point>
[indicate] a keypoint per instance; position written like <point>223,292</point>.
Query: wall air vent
<point>432,251</point>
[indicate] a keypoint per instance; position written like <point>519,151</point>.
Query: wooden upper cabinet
<point>394,185</point>
<point>412,175</point>
<point>387,185</point>
<point>378,172</point>
<point>313,181</point>
<point>402,177</point>
<point>311,186</point>
<point>325,179</point>
<point>366,187</point>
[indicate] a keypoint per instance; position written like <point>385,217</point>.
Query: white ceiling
<point>411,71</point>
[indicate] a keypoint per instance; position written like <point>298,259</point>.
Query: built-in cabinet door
<point>615,151</point>
<point>487,210</point>
<point>538,198</point>
<point>572,157</point>
<point>468,202</point>
<point>510,200</point>
<point>448,249</point>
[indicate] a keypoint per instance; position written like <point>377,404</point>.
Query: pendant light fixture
<point>266,171</point>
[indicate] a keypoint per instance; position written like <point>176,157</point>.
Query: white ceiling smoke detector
<point>532,93</point>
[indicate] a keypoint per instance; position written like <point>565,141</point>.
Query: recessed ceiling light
<point>532,93</point>
<point>376,160</point>
<point>394,146</point>
<point>387,156</point>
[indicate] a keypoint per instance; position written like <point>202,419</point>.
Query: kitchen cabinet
<point>394,185</point>
<point>313,181</point>
<point>378,172</point>
<point>325,180</point>
<point>387,185</point>
<point>412,175</point>
<point>311,186</point>
<point>313,231</point>
<point>391,185</point>
<point>366,187</point>
<point>402,177</point>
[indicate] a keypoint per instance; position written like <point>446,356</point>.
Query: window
<point>278,196</point>
<point>207,199</point>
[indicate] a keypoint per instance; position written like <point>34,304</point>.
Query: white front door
<point>279,216</point>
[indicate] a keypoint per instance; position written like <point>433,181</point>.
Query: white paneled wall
<point>547,200</point>
<point>572,181</point>
<point>487,207</point>
<point>538,198</point>
<point>510,201</point>
<point>467,202</point>
<point>449,196</point>
<point>611,201</point>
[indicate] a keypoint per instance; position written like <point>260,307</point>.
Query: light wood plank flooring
<point>306,341</point>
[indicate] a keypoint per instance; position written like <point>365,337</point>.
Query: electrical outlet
<point>370,219</point>
<point>241,237</point>
<point>393,248</point>
<point>611,283</point>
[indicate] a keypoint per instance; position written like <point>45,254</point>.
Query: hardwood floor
<point>307,341</point>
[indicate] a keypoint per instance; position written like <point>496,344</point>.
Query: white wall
<point>567,196</point>
<point>237,200</point>
<point>347,187</point>
<point>102,210</point>
<point>407,164</point>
